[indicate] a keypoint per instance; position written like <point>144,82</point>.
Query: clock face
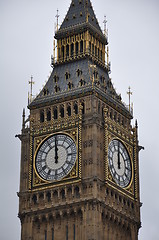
<point>119,163</point>
<point>56,157</point>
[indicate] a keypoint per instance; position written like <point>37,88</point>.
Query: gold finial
<point>31,87</point>
<point>93,67</point>
<point>87,14</point>
<point>23,125</point>
<point>57,16</point>
<point>107,56</point>
<point>129,93</point>
<point>105,26</point>
<point>54,53</point>
<point>108,63</point>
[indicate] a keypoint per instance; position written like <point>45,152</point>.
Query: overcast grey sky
<point>27,29</point>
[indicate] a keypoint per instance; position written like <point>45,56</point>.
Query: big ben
<point>79,176</point>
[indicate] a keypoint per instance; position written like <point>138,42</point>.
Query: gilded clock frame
<point>131,179</point>
<point>114,131</point>
<point>75,167</point>
<point>38,135</point>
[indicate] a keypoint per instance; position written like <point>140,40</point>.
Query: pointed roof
<point>57,79</point>
<point>75,78</point>
<point>80,16</point>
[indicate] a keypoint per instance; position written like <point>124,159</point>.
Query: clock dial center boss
<point>56,157</point>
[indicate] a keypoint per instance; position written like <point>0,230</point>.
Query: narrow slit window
<point>74,232</point>
<point>45,235</point>
<point>48,115</point>
<point>69,110</point>
<point>89,47</point>
<point>34,199</point>
<point>55,113</point>
<point>67,232</point>
<point>95,51</point>
<point>67,51</point>
<point>76,108</point>
<point>57,89</point>
<point>83,108</point>
<point>92,49</point>
<point>103,112</point>
<point>72,49</point>
<point>101,55</point>
<point>42,116</point>
<point>81,46</point>
<point>53,234</point>
<point>67,75</point>
<point>62,111</point>
<point>48,195</point>
<point>63,52</point>
<point>99,107</point>
<point>70,85</point>
<point>76,48</point>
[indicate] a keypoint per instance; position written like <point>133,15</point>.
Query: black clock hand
<point>119,163</point>
<point>56,151</point>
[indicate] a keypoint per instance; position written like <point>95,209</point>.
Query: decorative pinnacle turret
<point>57,16</point>
<point>105,26</point>
<point>129,93</point>
<point>136,124</point>
<point>93,67</point>
<point>23,116</point>
<point>30,96</point>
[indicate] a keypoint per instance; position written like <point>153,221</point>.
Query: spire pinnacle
<point>105,26</point>
<point>57,16</point>
<point>23,116</point>
<point>80,16</point>
<point>93,69</point>
<point>30,96</point>
<point>129,93</point>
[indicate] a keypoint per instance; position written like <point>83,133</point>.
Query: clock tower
<point>79,177</point>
